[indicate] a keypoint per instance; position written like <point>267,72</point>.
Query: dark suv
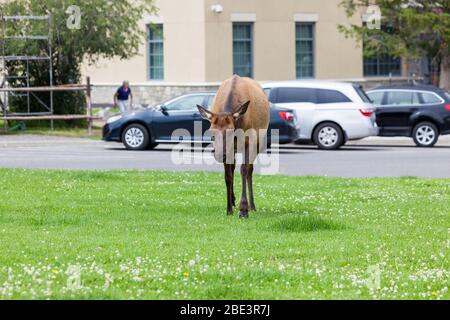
<point>418,111</point>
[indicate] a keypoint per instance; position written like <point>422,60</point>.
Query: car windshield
<point>185,103</point>
<point>181,103</point>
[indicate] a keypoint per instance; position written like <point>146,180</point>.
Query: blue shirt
<point>122,94</point>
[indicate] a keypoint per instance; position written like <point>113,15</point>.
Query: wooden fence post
<point>89,105</point>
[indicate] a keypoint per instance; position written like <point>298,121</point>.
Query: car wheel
<point>328,136</point>
<point>425,134</point>
<point>135,137</point>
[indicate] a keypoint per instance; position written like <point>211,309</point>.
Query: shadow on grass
<point>305,223</point>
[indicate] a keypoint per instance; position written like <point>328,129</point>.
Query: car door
<point>302,101</point>
<point>395,111</point>
<point>176,121</point>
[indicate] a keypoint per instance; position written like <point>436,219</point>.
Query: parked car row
<point>327,114</point>
<point>179,120</point>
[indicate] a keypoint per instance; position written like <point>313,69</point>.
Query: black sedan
<point>178,120</point>
<point>418,111</point>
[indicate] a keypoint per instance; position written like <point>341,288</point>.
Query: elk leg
<point>250,187</point>
<point>229,184</point>
<point>233,197</point>
<point>244,203</point>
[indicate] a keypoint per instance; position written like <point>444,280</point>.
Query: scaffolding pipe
<point>70,87</point>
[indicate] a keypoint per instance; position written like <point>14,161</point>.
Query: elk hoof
<point>229,212</point>
<point>252,207</point>
<point>243,214</point>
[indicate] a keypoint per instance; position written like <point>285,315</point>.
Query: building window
<point>382,64</point>
<point>156,51</point>
<point>304,43</point>
<point>243,49</point>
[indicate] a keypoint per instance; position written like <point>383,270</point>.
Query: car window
<point>209,102</point>
<point>185,103</point>
<point>376,97</point>
<point>292,95</point>
<point>331,96</point>
<point>402,98</point>
<point>430,98</point>
<point>447,95</point>
<point>267,92</point>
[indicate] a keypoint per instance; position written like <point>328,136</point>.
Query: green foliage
<point>165,235</point>
<point>412,28</point>
<point>107,29</point>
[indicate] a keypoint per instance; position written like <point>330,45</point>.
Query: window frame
<point>378,66</point>
<point>150,32</point>
<point>313,53</point>
<point>245,40</point>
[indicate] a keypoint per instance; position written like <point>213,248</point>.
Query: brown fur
<point>240,103</point>
<point>234,92</point>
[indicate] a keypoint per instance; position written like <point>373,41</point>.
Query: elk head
<point>223,125</point>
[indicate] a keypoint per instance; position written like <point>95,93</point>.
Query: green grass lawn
<point>158,235</point>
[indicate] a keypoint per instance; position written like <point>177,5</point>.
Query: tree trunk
<point>444,81</point>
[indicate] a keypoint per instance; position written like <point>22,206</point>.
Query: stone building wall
<point>147,94</point>
<point>152,94</point>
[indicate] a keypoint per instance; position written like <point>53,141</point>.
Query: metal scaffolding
<point>8,80</point>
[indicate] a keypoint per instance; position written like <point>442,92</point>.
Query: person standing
<point>123,98</point>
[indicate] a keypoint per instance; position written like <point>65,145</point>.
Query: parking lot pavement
<point>365,158</point>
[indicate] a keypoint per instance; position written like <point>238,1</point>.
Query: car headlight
<point>114,118</point>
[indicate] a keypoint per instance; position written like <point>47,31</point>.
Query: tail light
<point>366,112</point>
<point>447,107</point>
<point>288,116</point>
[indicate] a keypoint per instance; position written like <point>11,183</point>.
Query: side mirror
<point>164,109</point>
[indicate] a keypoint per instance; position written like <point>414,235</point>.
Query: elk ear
<point>205,113</point>
<point>241,111</point>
